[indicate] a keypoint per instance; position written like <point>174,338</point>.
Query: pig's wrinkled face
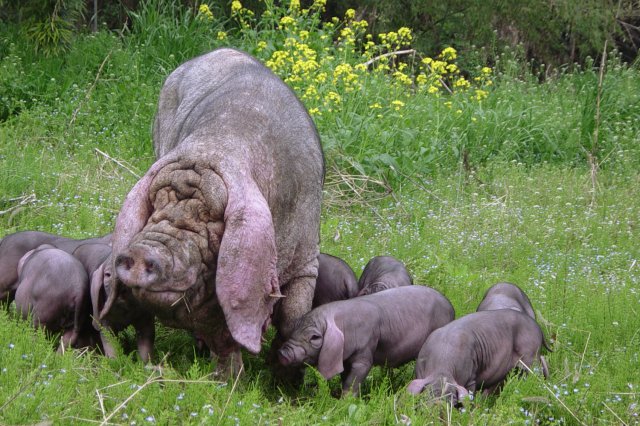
<point>304,344</point>
<point>176,248</point>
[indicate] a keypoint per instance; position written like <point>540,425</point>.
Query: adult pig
<point>226,222</point>
<point>476,351</point>
<point>351,336</point>
<point>382,273</point>
<point>506,296</point>
<point>53,287</point>
<point>336,280</point>
<point>14,246</point>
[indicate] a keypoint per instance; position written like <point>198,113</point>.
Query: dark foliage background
<point>552,32</point>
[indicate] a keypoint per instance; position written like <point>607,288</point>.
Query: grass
<point>75,137</point>
<point>577,264</point>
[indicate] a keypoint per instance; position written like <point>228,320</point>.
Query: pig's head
<point>181,224</point>
<point>373,288</point>
<point>439,387</point>
<point>159,267</point>
<point>316,340</point>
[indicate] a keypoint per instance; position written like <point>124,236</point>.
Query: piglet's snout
<point>138,268</point>
<point>288,355</point>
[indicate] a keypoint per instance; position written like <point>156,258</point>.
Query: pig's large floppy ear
<point>332,351</point>
<point>133,216</point>
<point>246,277</point>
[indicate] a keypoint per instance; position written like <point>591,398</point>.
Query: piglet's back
<point>400,318</point>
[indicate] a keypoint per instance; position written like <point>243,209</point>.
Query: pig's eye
<point>316,339</point>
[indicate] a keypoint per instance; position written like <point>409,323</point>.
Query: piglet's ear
<point>23,260</point>
<point>417,386</point>
<point>462,392</point>
<point>97,298</point>
<point>332,351</point>
<point>246,276</point>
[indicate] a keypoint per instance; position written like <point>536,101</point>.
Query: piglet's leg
<point>360,366</point>
<point>108,349</point>
<point>67,340</point>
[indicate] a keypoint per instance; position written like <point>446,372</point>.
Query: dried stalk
<point>88,94</point>
<point>592,155</point>
<point>386,55</point>
<point>22,201</point>
<point>345,190</point>
<point>118,162</point>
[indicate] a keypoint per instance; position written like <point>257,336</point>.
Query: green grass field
<point>467,189</point>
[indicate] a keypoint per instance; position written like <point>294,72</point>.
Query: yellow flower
<point>303,35</point>
<point>342,69</point>
<point>347,34</point>
<point>481,94</point>
<point>321,77</point>
<point>461,83</point>
<point>375,105</point>
<point>486,70</point>
<point>279,60</point>
<point>402,78</point>
<point>262,45</point>
<point>311,93</point>
<point>369,44</point>
<point>334,97</point>
<point>287,20</point>
<point>439,67</point>
<point>319,4</point>
<point>205,11</point>
<point>432,89</point>
<point>294,5</point>
<point>449,53</point>
<point>360,25</point>
<point>236,6</point>
<point>222,35</point>
<point>405,36</point>
<point>397,104</point>
<point>314,111</point>
<point>350,14</point>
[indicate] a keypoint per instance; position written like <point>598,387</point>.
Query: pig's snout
<point>138,268</point>
<point>285,356</point>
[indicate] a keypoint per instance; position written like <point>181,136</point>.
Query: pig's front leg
<point>357,371</point>
<point>145,336</point>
